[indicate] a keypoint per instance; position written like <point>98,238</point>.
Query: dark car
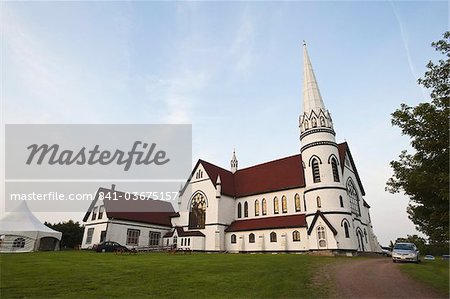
<point>110,246</point>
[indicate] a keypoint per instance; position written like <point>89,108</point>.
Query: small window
<point>189,241</point>
<point>100,212</point>
<point>19,243</point>
<point>297,202</point>
<point>306,125</point>
<point>347,235</point>
<point>314,122</point>
<point>239,210</point>
<point>341,201</point>
<point>245,209</point>
<point>319,202</point>
<point>321,236</point>
<point>233,239</point>
<point>284,204</point>
<point>90,233</point>
<point>154,238</point>
<point>296,236</point>
<point>256,208</point>
<point>264,206</point>
<point>133,236</point>
<point>365,235</point>
<point>182,241</point>
<point>175,240</point>
<point>273,237</point>
<point>94,213</point>
<point>315,171</point>
<point>334,168</point>
<point>251,238</point>
<point>275,205</point>
<point>322,121</point>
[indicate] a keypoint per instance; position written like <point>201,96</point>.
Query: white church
<point>308,202</point>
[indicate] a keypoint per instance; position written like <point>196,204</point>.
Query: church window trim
<point>256,207</point>
<point>341,201</point>
<point>354,198</point>
<point>284,204</point>
<point>251,238</point>
<point>133,236</point>
<point>273,237</point>
<point>315,170</point>
<point>239,210</point>
<point>233,239</point>
<point>297,202</point>
<point>154,238</point>
<point>246,209</point>
<point>322,121</point>
<point>319,202</point>
<point>264,206</point>
<point>314,122</point>
<point>197,211</point>
<point>334,168</point>
<point>296,236</point>
<point>321,237</point>
<point>276,207</point>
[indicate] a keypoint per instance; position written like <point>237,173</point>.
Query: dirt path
<point>377,278</point>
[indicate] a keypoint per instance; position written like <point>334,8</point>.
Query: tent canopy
<point>22,222</point>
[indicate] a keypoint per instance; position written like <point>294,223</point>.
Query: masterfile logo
<point>59,168</point>
<point>161,152</point>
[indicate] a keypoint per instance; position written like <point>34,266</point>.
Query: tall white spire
<point>311,93</point>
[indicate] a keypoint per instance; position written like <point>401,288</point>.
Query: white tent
<point>21,231</point>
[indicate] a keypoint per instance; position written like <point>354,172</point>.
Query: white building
<point>312,201</point>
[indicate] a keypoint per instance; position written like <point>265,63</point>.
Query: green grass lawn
<point>82,274</point>
<point>433,273</point>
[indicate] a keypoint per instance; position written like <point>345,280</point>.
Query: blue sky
<point>233,70</point>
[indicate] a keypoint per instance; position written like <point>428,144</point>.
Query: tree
<point>424,174</point>
<point>72,233</point>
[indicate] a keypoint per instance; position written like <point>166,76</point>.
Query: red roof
<point>289,221</point>
<point>145,210</point>
<point>285,173</point>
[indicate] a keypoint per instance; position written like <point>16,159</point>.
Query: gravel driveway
<point>377,278</point>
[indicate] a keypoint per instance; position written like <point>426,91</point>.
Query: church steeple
<point>314,113</point>
<point>234,162</point>
<point>311,93</point>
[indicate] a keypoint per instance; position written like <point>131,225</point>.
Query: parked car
<point>405,252</point>
<point>429,257</point>
<point>110,246</point>
<point>386,251</point>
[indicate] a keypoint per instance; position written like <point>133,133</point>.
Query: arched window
<point>175,240</point>
<point>189,242</point>
<point>315,171</point>
<point>19,243</point>
<point>347,235</point>
<point>365,235</point>
<point>182,241</point>
<point>334,167</point>
<point>256,208</point>
<point>245,209</point>
<point>251,238</point>
<point>264,206</point>
<point>284,204</point>
<point>306,124</point>
<point>321,236</point>
<point>353,195</point>
<point>319,202</point>
<point>233,239</point>
<point>341,201</point>
<point>322,121</point>
<point>297,202</point>
<point>273,237</point>
<point>314,122</point>
<point>296,236</point>
<point>275,205</point>
<point>197,214</point>
<point>239,210</point>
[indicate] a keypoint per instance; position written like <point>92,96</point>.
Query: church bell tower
<point>320,156</point>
